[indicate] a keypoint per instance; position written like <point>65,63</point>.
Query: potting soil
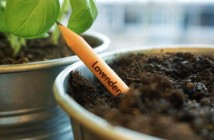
<point>171,95</point>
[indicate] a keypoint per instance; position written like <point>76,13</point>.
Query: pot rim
<point>59,61</point>
<point>95,123</point>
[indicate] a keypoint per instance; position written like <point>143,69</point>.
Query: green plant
<point>27,19</point>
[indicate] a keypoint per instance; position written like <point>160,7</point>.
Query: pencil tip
<point>58,23</point>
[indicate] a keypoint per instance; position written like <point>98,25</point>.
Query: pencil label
<point>105,77</point>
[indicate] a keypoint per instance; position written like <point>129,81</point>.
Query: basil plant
<point>34,18</point>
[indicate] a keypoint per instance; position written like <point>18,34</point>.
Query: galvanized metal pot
<point>27,107</point>
<point>87,126</point>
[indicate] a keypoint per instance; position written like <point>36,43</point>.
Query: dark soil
<point>35,50</point>
<point>171,96</point>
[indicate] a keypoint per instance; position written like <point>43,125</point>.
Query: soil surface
<point>35,50</point>
<point>171,96</point>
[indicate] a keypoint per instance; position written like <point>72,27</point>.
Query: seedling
<point>27,19</point>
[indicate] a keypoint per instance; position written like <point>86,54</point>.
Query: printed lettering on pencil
<point>105,78</point>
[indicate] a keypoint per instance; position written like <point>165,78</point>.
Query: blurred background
<point>138,23</point>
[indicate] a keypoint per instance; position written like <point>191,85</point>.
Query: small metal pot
<point>27,107</point>
<point>87,126</point>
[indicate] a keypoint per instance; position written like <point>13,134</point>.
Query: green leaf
<point>45,35</point>
<point>84,13</point>
<point>31,18</point>
<point>2,18</point>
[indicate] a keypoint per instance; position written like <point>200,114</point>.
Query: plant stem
<point>56,33</point>
<point>22,41</point>
<point>16,43</point>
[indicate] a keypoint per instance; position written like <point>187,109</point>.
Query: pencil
<point>94,62</point>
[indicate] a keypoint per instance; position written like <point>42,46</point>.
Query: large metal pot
<point>27,107</point>
<point>87,126</point>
